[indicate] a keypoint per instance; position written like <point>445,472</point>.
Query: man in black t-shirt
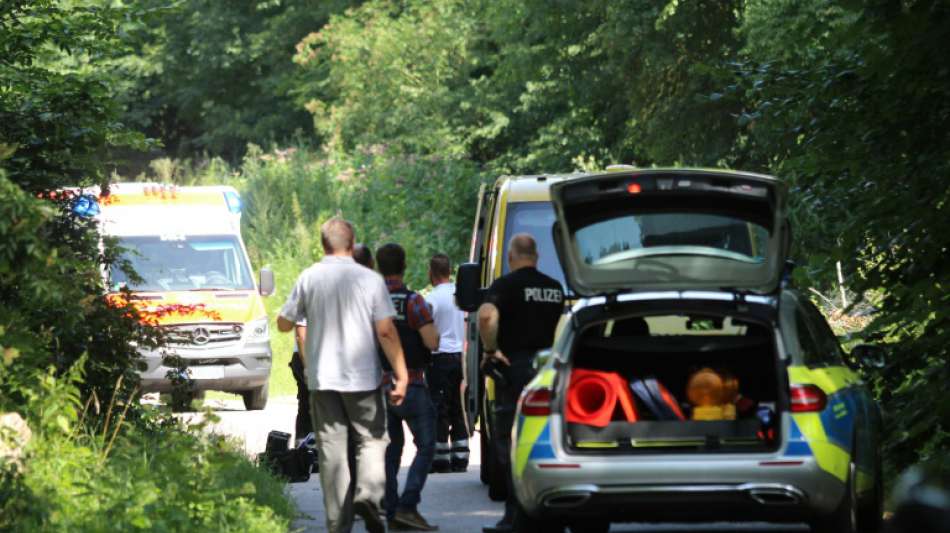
<point>518,318</point>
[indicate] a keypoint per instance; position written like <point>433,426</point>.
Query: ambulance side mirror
<point>468,291</point>
<point>266,284</point>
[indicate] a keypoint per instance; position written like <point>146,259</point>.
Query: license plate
<point>207,372</point>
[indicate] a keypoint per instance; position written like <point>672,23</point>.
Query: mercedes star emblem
<point>200,336</point>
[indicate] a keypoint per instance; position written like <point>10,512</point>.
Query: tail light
<point>536,402</point>
<point>807,399</point>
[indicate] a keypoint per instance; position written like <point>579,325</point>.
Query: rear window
<point>537,220</point>
<point>678,325</point>
<point>660,234</point>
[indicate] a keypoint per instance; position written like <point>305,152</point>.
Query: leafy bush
<point>96,460</point>
<point>164,477</point>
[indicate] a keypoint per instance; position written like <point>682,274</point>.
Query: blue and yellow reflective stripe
<point>829,456</point>
<point>534,432</point>
<point>829,379</point>
<point>534,441</point>
<point>828,433</point>
<point>545,378</point>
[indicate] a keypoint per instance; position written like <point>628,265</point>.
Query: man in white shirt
<point>445,375</point>
<point>349,310</point>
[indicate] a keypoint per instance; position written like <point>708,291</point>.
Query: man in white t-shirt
<point>349,310</point>
<point>445,375</point>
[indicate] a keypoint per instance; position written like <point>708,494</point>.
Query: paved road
<point>458,503</point>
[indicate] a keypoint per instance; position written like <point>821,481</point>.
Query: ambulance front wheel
<point>255,399</point>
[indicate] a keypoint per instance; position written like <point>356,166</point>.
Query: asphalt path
<point>457,503</point>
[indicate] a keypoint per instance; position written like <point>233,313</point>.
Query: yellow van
<point>513,204</point>
<point>194,280</point>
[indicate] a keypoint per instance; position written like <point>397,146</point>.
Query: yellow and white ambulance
<point>195,280</point>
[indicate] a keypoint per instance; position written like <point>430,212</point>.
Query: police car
<point>690,384</point>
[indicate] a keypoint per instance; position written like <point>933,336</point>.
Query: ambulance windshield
<point>183,263</point>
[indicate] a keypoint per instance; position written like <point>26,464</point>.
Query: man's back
<point>341,301</point>
<point>449,320</point>
<point>529,304</point>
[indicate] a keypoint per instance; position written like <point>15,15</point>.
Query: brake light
<point>807,399</point>
<point>634,188</point>
<point>536,402</point>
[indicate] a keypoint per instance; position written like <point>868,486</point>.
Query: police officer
<point>518,318</point>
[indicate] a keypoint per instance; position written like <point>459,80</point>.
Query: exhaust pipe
<point>569,500</point>
<point>774,495</point>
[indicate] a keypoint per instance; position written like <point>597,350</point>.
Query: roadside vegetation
<point>77,450</point>
<point>393,112</point>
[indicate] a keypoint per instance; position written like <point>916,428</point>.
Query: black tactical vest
<point>418,356</point>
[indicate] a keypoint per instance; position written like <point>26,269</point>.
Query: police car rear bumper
<point>665,491</point>
<point>236,368</point>
<point>676,486</point>
<point>742,502</point>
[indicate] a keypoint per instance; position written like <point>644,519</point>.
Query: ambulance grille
<point>199,336</point>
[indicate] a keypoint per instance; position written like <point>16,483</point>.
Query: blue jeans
<point>418,413</point>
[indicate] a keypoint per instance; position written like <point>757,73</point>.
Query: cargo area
<point>673,383</point>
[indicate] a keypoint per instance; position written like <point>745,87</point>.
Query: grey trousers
<point>335,416</point>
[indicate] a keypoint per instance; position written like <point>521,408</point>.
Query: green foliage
<point>394,74</point>
<point>162,477</point>
<point>67,355</point>
<point>59,118</point>
<point>423,203</point>
<point>212,76</point>
<point>527,86</point>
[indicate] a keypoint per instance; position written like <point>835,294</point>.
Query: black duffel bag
<point>292,464</point>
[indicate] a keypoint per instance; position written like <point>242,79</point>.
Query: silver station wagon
<point>690,383</point>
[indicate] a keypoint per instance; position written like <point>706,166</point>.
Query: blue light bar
<point>233,200</point>
<point>85,206</point>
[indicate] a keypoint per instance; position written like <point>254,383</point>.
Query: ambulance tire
<point>871,510</point>
<point>483,453</point>
<point>844,519</point>
<point>255,399</point>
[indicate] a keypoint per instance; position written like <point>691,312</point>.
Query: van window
<point>536,219</point>
<point>183,263</point>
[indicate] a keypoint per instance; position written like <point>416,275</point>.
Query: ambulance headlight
<point>256,330</point>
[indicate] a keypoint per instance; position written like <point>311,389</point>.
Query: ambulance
<point>194,280</point>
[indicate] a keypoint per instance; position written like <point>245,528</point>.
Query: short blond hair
<point>337,235</point>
